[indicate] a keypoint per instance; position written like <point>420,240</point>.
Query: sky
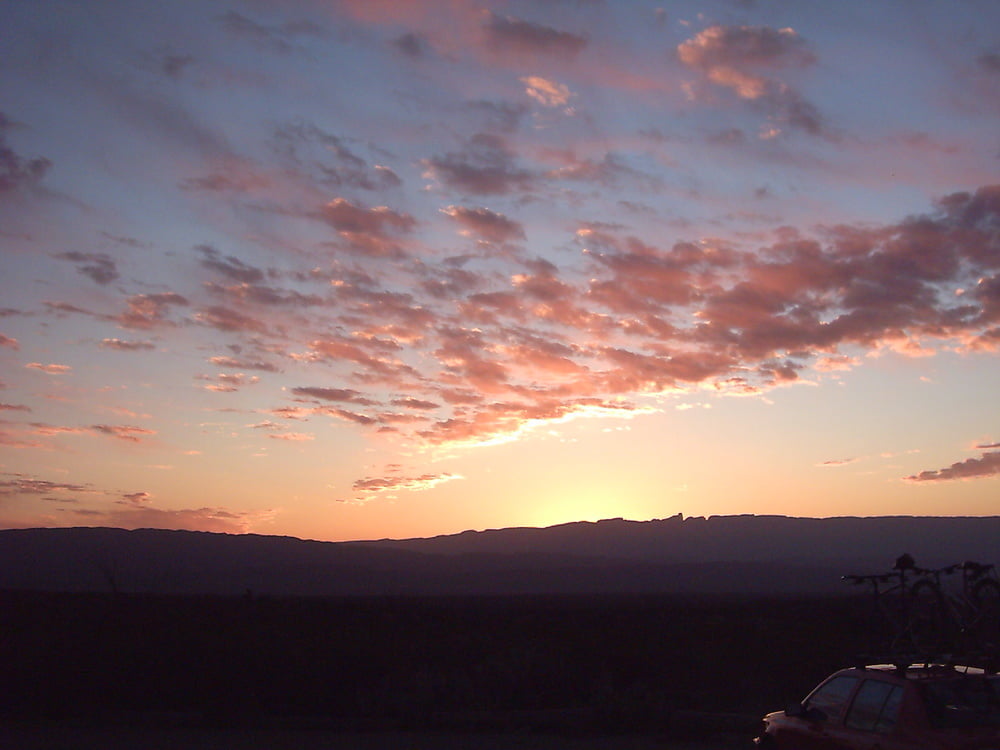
<point>361,269</point>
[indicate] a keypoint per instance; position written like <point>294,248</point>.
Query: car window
<point>964,702</point>
<point>831,697</point>
<point>875,707</point>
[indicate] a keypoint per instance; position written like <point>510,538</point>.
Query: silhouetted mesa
<point>720,554</point>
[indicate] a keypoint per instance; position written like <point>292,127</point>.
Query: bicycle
<point>973,614</point>
<point>906,618</point>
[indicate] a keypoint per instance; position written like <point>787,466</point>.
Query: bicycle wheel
<point>985,596</point>
<point>926,622</point>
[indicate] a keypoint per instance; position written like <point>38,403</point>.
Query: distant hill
<point>719,554</point>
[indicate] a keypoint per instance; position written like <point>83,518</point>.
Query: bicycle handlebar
<point>973,569</point>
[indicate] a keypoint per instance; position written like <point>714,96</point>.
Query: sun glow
<point>595,503</point>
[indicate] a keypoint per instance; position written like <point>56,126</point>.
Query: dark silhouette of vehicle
<point>916,707</point>
<point>937,687</point>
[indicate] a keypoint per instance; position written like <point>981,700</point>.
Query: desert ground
<point>615,672</point>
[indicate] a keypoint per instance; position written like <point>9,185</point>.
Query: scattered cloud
<point>228,382</point>
<point>18,172</point>
<point>343,395</point>
<point>837,462</point>
<point>371,487</point>
<point>743,60</point>
<point>22,484</point>
<point>123,432</point>
<point>142,516</point>
<point>280,39</point>
<point>148,311</point>
<point>456,260</point>
<point>227,319</point>
<point>49,369</point>
<point>485,224</point>
<point>411,44</point>
<point>545,92</point>
<point>240,363</point>
<point>513,37</point>
<point>127,346</point>
<point>136,498</point>
<point>296,437</point>
<point>987,465</point>
<point>100,268</point>
<point>485,166</point>
<point>229,266</point>
<point>372,231</point>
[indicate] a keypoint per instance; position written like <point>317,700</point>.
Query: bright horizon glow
<point>353,269</point>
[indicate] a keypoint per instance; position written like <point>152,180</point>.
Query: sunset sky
<point>355,269</point>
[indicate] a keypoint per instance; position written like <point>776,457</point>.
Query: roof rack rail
<point>989,663</point>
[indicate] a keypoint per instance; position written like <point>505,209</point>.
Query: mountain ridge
<point>715,554</point>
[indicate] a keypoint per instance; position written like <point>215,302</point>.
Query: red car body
<point>919,707</point>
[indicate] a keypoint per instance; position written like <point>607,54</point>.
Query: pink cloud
<point>345,395</point>
<point>415,403</point>
<point>837,462</point>
<point>373,355</point>
<point>238,363</point>
<point>123,432</point>
<point>486,224</point>
<point>370,487</point>
<point>736,57</point>
<point>145,311</point>
<point>9,343</point>
<point>22,484</point>
<point>48,430</point>
<point>100,268</point>
<point>50,369</point>
<point>486,166</point>
<point>297,437</point>
<point>369,230</point>
<point>229,265</point>
<point>228,382</point>
<point>218,520</point>
<point>127,346</point>
<point>516,38</point>
<point>726,54</point>
<point>315,157</point>
<point>988,465</point>
<point>463,348</point>
<point>227,319</point>
<point>129,510</point>
<point>136,498</point>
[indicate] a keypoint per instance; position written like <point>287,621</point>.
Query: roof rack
<point>902,662</point>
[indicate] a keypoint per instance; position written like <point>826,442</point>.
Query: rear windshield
<point>968,701</point>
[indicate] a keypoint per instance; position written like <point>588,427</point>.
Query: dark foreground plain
<point>573,672</point>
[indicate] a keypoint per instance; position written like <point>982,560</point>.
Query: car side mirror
<point>799,711</point>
